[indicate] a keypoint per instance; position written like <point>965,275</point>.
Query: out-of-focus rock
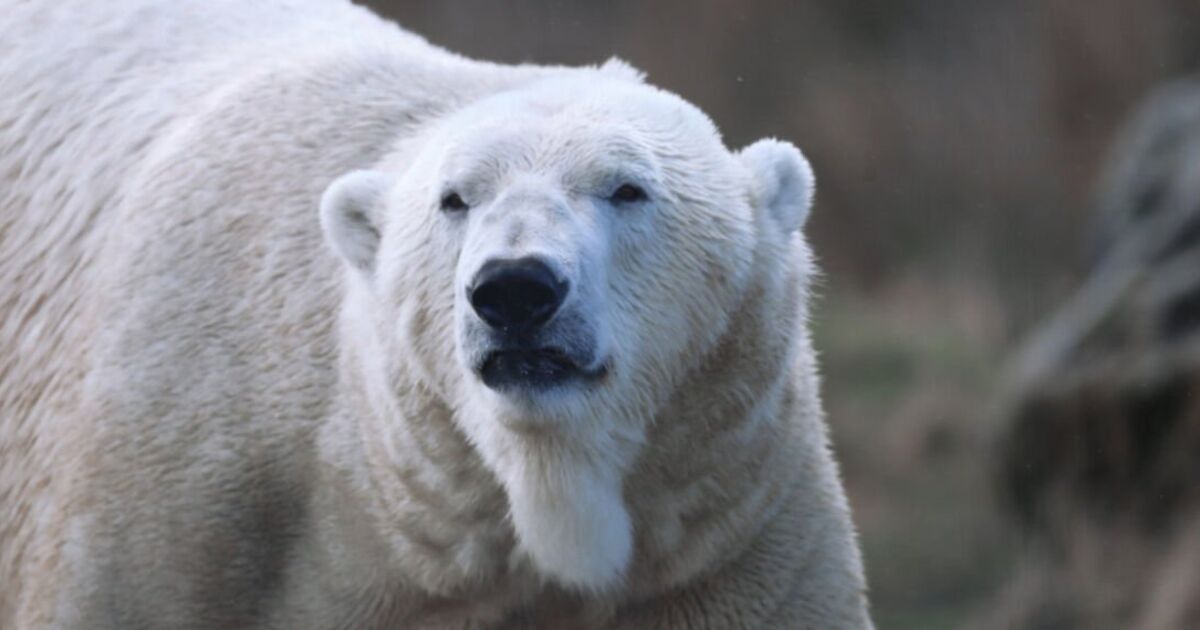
<point>1099,458</point>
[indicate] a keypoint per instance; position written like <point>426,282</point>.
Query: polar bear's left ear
<point>351,209</point>
<point>783,181</point>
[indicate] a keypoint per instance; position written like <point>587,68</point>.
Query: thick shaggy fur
<point>209,419</point>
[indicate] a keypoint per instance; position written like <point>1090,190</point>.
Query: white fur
<point>242,385</point>
<point>784,179</point>
<point>350,216</point>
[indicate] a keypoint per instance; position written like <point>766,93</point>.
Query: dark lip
<point>533,369</point>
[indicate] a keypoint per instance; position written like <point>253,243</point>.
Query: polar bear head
<point>552,261</point>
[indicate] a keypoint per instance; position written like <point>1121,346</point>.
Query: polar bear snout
<point>517,295</point>
<point>527,334</point>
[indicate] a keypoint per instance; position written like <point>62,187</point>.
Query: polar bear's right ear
<point>783,181</point>
<point>351,209</point>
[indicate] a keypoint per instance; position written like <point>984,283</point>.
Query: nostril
<point>516,301</point>
<point>517,293</point>
<point>486,302</point>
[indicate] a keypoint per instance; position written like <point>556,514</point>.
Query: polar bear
<point>311,324</point>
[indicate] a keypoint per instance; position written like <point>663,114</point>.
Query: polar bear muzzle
<point>518,299</point>
<point>514,296</point>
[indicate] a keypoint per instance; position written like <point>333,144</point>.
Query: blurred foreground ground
<point>958,149</point>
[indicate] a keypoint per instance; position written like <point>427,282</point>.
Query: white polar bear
<point>540,360</point>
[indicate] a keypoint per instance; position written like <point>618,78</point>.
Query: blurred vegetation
<point>1100,455</point>
<point>957,146</point>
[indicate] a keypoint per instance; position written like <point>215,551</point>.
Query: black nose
<point>522,293</point>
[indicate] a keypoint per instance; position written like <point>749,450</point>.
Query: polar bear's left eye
<point>628,193</point>
<point>452,202</point>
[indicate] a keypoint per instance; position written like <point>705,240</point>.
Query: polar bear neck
<point>403,490</point>
<point>728,449</point>
<point>714,468</point>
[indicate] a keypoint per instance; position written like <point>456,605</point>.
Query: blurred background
<point>1008,215</point>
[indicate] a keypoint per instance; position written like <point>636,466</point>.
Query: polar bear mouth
<point>536,368</point>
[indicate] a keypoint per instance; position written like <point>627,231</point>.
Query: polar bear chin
<point>563,482</point>
<point>572,523</point>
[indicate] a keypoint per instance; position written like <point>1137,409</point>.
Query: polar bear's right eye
<point>628,193</point>
<point>453,202</point>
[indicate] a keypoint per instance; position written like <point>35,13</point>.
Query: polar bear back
<point>92,95</point>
